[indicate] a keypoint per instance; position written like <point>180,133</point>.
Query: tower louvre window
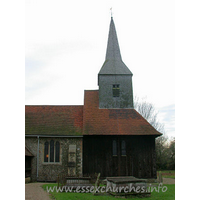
<point>116,90</point>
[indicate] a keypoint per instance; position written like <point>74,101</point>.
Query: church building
<point>105,135</point>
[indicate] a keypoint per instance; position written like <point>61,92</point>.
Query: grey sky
<point>66,46</point>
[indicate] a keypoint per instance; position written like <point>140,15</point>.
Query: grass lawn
<point>168,195</point>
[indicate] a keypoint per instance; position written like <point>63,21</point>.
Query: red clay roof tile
<point>85,120</point>
<point>112,121</point>
<point>53,120</point>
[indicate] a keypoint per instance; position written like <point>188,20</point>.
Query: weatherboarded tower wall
<point>106,91</point>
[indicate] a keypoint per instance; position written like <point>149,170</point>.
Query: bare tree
<point>161,152</point>
<point>147,110</point>
<point>171,154</point>
<point>165,153</point>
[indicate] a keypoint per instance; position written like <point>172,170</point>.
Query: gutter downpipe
<point>38,155</point>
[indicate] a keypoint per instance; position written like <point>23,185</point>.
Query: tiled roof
<point>53,120</point>
<point>85,120</point>
<point>112,121</point>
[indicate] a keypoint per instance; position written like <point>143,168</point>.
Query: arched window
<point>123,148</point>
<point>51,151</point>
<point>46,151</point>
<point>57,159</point>
<point>114,148</point>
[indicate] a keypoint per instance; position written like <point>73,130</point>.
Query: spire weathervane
<point>111,12</point>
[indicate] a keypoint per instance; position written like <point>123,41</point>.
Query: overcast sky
<point>66,46</point>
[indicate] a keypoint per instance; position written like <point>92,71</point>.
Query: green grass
<point>168,195</point>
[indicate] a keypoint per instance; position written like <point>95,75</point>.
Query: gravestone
<point>72,160</point>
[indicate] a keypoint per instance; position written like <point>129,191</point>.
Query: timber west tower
<point>114,78</point>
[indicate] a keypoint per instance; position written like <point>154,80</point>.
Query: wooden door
<point>119,157</point>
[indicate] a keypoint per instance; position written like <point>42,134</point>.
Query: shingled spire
<point>113,51</point>
<point>114,78</point>
<point>113,63</point>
